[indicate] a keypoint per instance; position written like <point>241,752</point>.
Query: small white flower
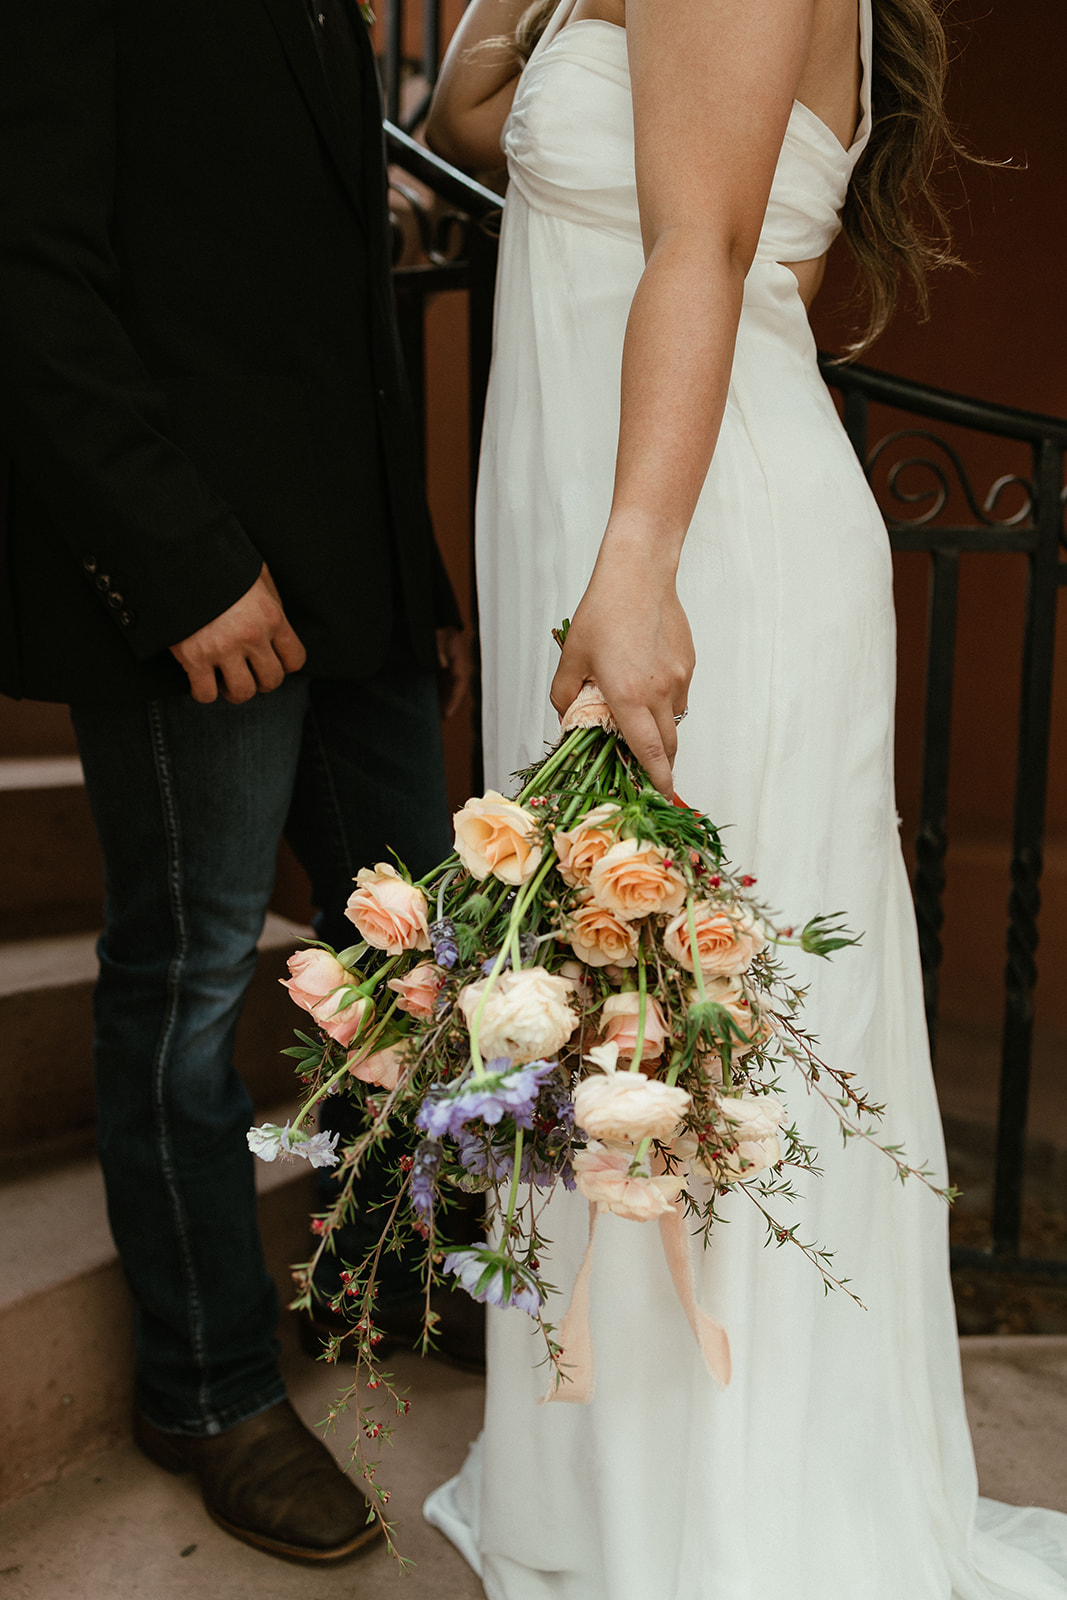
<point>268,1141</point>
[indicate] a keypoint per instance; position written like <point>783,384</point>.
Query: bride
<point>663,464</point>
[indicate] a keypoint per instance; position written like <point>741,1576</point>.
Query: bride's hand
<point>631,637</point>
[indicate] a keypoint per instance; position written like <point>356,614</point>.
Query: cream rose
<point>636,879</point>
<point>317,982</point>
<point>619,1018</point>
<point>626,1107</point>
<point>388,912</point>
<point>581,847</point>
<point>496,836</point>
<point>418,991</point>
<point>600,938</point>
<point>526,1015</point>
<point>754,1121</point>
<point>727,941</point>
<point>382,1067</point>
<point>577,976</point>
<point>603,1176</point>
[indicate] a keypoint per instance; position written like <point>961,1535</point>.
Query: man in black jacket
<point>215,548</point>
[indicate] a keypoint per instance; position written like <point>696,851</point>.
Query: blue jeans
<point>190,802</point>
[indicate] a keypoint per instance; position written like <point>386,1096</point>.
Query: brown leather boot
<point>270,1482</point>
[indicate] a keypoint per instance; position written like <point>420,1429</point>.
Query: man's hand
<point>251,646</point>
<point>455,668</point>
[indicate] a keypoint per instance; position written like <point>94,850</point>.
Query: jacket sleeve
<point>79,412</point>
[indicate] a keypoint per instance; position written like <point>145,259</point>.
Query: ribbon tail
<point>710,1335</point>
<point>575,1336</point>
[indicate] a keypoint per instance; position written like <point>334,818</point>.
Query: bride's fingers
<point>566,686</point>
<point>653,744</point>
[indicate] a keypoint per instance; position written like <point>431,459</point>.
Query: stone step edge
<point>63,960</point>
<point>55,1226</point>
<point>40,772</point>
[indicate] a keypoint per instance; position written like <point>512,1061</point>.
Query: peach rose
<point>418,991</point>
<point>756,1026</point>
<point>526,1015</point>
<point>626,1107</point>
<point>382,1067</point>
<point>581,847</point>
<point>494,835</point>
<point>727,941</point>
<point>619,1024</point>
<point>600,938</point>
<point>635,879</point>
<point>603,1176</point>
<point>388,912</point>
<point>317,982</point>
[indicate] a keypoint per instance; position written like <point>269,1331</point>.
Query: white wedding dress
<point>837,1465</point>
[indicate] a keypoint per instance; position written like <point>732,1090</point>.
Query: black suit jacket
<point>199,364</point>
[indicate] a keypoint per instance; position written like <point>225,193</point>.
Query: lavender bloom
<point>443,939</point>
<point>504,1284</point>
<point>484,1159</point>
<point>423,1177</point>
<point>506,1090</point>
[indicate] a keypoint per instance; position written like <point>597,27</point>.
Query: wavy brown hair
<point>894,221</point>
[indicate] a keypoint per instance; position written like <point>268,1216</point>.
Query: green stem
<point>338,1077</point>
<point>514,922</point>
<point>694,953</point>
<point>553,762</point>
<point>642,1010</point>
<point>514,1191</point>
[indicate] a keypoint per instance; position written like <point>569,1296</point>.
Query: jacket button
<point>89,563</point>
<point>126,619</point>
<point>114,599</point>
<point>103,583</point>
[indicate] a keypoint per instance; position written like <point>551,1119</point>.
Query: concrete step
<point>46,1030</point>
<point>119,1528</point>
<point>66,1334</point>
<point>51,879</point>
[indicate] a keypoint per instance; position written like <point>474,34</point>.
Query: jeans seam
<point>322,762</point>
<point>161,1060</point>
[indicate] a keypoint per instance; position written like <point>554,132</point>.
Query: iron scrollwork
<point>934,496</point>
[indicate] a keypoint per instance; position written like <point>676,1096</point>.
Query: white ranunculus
<point>526,1016</point>
<point>626,1107</point>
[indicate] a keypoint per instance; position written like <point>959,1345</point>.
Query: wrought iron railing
<point>923,481</point>
<point>923,487</point>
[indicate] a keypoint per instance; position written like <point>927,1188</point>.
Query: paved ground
<point>119,1529</point>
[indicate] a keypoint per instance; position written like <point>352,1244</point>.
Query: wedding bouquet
<point>585,993</point>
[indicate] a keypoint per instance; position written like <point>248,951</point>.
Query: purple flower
<point>495,1280</point>
<point>424,1177</point>
<point>504,1090</point>
<point>482,1158</point>
<point>443,939</point>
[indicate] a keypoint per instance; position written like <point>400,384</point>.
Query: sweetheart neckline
<point>603,22</point>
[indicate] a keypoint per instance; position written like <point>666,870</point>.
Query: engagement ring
<point>680,715</point>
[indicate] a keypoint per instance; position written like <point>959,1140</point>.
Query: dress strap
<point>555,23</point>
<point>863,132</point>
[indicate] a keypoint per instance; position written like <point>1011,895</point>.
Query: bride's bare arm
<point>475,87</point>
<point>713,84</point>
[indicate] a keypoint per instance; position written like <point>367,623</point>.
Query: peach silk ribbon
<point>575,1336</point>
